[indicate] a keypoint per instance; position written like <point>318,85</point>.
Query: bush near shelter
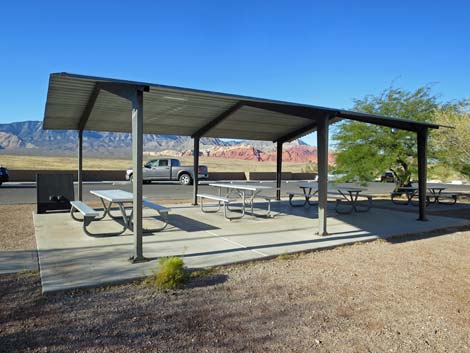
<point>171,273</point>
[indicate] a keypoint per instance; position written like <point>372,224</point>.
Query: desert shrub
<point>171,273</point>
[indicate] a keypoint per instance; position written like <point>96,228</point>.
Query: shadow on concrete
<point>188,224</point>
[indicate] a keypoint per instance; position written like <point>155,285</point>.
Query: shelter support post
<point>422,171</point>
<point>80,165</point>
<point>278,170</point>
<point>196,169</point>
<point>322,158</point>
<point>137,150</point>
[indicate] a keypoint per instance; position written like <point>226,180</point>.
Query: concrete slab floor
<point>18,260</point>
<point>70,259</point>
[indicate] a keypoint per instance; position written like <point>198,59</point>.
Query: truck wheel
<point>185,179</point>
<point>131,178</point>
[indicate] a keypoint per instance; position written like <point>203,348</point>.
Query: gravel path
<point>400,296</point>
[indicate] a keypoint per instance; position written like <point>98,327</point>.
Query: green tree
<point>365,151</point>
<point>452,145</point>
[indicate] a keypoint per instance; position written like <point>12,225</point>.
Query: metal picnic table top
<point>436,188</point>
<point>241,186</point>
<point>308,185</point>
<point>343,188</point>
<point>115,195</point>
<point>348,189</point>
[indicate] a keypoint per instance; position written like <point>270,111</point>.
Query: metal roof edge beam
<point>397,123</point>
<point>298,111</point>
<point>294,134</point>
<point>390,124</point>
<point>123,90</point>
<point>299,132</point>
<point>210,125</point>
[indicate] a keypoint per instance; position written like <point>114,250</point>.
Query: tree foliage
<point>365,151</point>
<point>453,145</point>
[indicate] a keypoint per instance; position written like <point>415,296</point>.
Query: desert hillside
<point>28,138</point>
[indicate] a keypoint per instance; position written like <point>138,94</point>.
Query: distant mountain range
<point>28,137</point>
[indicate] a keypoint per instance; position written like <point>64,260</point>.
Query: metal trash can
<point>54,192</point>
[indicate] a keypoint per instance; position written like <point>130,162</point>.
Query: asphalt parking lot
<point>25,193</point>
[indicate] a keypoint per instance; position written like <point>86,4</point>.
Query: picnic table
<point>309,190</point>
<point>108,198</point>
<point>247,192</point>
<point>409,191</point>
<point>351,195</point>
<point>433,195</point>
<point>348,195</point>
<point>435,192</point>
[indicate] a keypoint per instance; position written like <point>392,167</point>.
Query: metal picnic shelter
<point>77,102</point>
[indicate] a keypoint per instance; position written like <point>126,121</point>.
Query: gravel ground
<point>16,228</point>
<point>407,295</point>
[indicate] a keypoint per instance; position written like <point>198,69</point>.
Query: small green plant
<point>171,273</point>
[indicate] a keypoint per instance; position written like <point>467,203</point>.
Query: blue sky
<point>317,52</point>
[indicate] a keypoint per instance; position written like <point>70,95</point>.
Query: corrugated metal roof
<point>182,111</point>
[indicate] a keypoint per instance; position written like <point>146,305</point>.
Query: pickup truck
<point>167,169</point>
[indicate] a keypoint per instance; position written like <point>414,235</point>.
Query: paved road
<point>25,193</point>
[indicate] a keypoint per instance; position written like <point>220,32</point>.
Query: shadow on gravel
<point>426,235</point>
<point>206,281</point>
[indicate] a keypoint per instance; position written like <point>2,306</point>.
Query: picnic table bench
<point>220,200</point>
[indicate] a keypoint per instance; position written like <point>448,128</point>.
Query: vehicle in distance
<point>3,175</point>
<point>387,177</point>
<point>168,169</point>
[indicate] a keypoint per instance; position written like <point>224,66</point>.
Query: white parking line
<point>237,244</point>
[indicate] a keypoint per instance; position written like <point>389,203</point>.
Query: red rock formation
<point>242,152</point>
<point>293,154</point>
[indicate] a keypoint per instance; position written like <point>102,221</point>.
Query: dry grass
<point>67,163</point>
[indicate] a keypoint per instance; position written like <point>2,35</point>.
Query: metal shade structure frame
<point>77,102</point>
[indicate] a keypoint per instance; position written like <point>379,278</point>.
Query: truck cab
<point>169,169</point>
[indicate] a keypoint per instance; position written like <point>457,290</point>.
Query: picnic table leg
<point>164,221</point>
<point>125,218</point>
<point>106,209</point>
<point>415,193</point>
<point>354,200</point>
<point>410,196</point>
<point>201,204</point>
<point>434,196</point>
<point>291,196</point>
<point>310,195</point>
<point>153,230</point>
<point>243,209</point>
<point>348,201</point>
<point>400,202</point>
<point>357,207</point>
